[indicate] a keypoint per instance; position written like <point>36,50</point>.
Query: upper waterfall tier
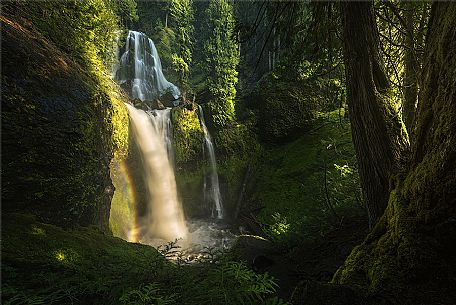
<point>140,70</point>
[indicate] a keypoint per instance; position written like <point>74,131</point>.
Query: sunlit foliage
<point>182,23</point>
<point>220,62</point>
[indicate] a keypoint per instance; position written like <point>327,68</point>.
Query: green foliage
<point>291,182</point>
<point>182,21</point>
<point>170,25</point>
<point>279,226</point>
<point>165,42</point>
<point>234,283</point>
<point>220,61</point>
<point>146,295</point>
<point>82,263</point>
<point>394,33</point>
<point>188,135</point>
<point>60,266</point>
<point>125,9</point>
<point>86,30</point>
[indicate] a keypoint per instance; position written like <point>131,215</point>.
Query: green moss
<point>236,146</point>
<point>391,107</point>
<point>85,266</point>
<point>82,263</point>
<point>70,118</point>
<point>392,255</point>
<point>117,121</point>
<point>188,135</point>
<point>190,185</point>
<point>124,201</point>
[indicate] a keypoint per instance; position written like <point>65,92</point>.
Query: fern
<point>147,295</point>
<point>234,283</point>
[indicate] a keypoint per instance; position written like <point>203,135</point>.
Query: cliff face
<point>56,142</point>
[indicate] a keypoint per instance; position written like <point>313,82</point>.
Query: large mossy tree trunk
<point>411,254</point>
<point>378,133</point>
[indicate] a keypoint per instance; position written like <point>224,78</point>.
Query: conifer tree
<point>220,62</point>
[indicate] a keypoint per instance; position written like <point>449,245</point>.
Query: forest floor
<point>313,260</point>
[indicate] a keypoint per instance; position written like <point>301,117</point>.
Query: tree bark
<point>411,253</point>
<point>411,67</point>
<point>378,134</point>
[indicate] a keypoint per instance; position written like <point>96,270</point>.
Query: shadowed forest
<point>228,152</point>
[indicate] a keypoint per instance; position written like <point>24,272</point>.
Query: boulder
<point>168,99</point>
<point>57,143</point>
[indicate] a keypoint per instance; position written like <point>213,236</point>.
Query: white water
<point>164,219</point>
<point>211,191</point>
<point>140,66</point>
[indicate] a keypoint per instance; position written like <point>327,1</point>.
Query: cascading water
<point>140,70</point>
<point>140,73</point>
<point>211,191</point>
<point>164,218</point>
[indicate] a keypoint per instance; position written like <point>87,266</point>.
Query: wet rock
<point>157,104</point>
<point>168,99</point>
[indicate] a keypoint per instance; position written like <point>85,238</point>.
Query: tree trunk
<point>411,253</point>
<point>411,69</point>
<point>378,133</point>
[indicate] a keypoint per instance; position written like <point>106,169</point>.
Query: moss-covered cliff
<point>60,128</point>
<point>235,148</point>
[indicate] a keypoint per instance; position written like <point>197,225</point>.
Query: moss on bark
<point>412,259</point>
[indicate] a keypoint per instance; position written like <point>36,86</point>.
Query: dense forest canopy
<point>228,152</point>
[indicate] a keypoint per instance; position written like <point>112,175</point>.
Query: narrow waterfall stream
<point>162,218</point>
<point>211,191</point>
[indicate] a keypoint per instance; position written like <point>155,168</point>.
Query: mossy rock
<point>284,109</point>
<point>60,128</point>
<point>51,265</point>
<point>188,135</point>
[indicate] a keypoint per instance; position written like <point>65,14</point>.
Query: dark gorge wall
<point>55,141</point>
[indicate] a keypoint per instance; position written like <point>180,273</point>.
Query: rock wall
<point>57,136</point>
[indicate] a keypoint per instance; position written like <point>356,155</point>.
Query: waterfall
<point>140,70</point>
<point>213,190</point>
<point>164,219</point>
<point>154,215</point>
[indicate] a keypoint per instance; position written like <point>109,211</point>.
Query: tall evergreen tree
<point>221,59</point>
<point>182,22</point>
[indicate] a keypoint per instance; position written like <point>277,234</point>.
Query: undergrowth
<point>44,264</point>
<point>307,186</point>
